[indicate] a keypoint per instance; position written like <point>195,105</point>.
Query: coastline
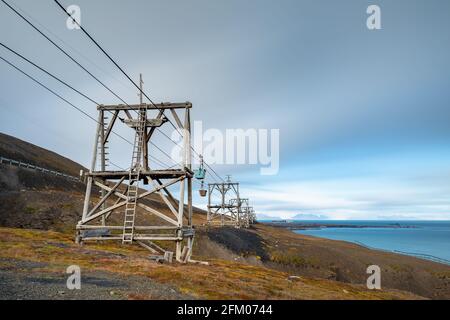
<point>303,225</point>
<point>295,225</point>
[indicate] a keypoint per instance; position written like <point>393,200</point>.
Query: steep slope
<point>16,149</point>
<point>34,199</point>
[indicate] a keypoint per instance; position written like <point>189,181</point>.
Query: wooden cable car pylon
<point>121,189</point>
<point>225,213</point>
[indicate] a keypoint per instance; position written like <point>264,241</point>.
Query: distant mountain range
<point>300,216</point>
<point>261,216</point>
<point>303,216</point>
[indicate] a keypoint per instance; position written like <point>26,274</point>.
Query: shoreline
<point>292,226</point>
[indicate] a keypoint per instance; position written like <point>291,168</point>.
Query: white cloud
<point>356,198</point>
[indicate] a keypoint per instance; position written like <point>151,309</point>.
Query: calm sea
<point>427,239</point>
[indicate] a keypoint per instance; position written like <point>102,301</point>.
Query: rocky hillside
<point>16,149</point>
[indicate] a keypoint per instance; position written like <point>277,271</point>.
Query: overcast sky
<point>363,115</point>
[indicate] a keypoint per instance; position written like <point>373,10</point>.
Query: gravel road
<point>20,281</point>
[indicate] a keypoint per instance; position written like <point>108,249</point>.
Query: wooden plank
<point>93,227</point>
<point>106,238</point>
<point>164,106</point>
<point>158,214</point>
<point>163,197</point>
<point>160,174</point>
<point>174,113</point>
<point>102,212</point>
<point>128,114</point>
<point>142,195</point>
<point>155,212</point>
<point>152,129</point>
<point>110,126</point>
<point>110,192</point>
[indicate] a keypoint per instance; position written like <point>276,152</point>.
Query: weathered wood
<point>128,114</point>
<point>163,197</point>
<point>152,129</point>
<point>142,244</point>
<point>178,121</point>
<point>93,163</point>
<point>172,199</point>
<point>134,123</point>
<point>153,174</point>
<point>91,227</point>
<point>173,219</point>
<point>157,106</point>
<point>136,238</point>
<point>142,195</point>
<point>102,212</point>
<point>226,211</point>
<point>110,126</point>
<point>104,198</point>
<point>158,214</point>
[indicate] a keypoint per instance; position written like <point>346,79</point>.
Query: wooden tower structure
<point>122,193</point>
<point>226,212</point>
<point>242,211</point>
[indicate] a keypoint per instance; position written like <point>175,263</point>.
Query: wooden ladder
<point>134,177</point>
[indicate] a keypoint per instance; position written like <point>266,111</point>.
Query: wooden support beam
<point>164,105</point>
<point>142,195</point>
<point>136,238</point>
<point>163,197</point>
<point>152,129</point>
<point>93,227</point>
<point>178,121</point>
<point>168,193</point>
<point>110,192</point>
<point>158,214</point>
<point>120,204</point>
<point>128,114</point>
<point>110,126</point>
<point>102,212</point>
<point>154,174</point>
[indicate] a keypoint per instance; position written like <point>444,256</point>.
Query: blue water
<point>427,237</point>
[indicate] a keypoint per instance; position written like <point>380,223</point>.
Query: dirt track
<point>21,281</point>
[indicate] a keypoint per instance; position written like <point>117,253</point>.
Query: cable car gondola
<point>200,174</point>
